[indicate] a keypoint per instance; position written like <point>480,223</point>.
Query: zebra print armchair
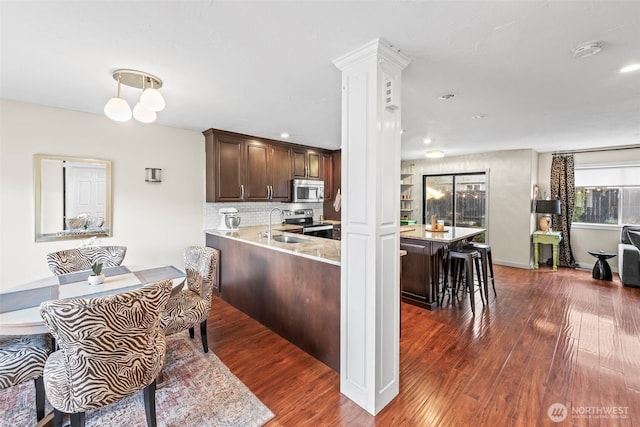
<point>22,358</point>
<point>109,347</point>
<point>70,260</point>
<point>191,307</point>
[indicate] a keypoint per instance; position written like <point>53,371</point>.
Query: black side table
<point>601,269</point>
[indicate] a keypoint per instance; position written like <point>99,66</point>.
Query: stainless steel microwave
<point>307,191</point>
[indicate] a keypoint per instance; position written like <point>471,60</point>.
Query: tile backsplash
<point>254,213</point>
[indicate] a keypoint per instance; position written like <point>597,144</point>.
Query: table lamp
<point>547,208</point>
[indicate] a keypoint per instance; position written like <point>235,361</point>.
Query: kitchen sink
<point>290,239</point>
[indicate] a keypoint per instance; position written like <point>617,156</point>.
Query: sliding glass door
<point>457,199</point>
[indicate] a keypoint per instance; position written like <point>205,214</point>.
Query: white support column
<point>370,272</point>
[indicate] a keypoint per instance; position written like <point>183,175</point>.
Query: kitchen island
<point>421,267</point>
<point>292,288</point>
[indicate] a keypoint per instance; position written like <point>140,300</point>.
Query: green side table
<point>541,237</point>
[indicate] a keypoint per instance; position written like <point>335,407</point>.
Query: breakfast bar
<point>421,267</point>
<point>289,283</point>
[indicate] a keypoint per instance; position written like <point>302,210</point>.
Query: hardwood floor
<point>548,338</point>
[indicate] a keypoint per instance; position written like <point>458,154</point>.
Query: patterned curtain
<point>563,188</point>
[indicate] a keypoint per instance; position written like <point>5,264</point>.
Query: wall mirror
<point>72,197</point>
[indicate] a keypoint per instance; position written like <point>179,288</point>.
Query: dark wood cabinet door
<point>229,173</point>
<point>299,163</point>
<point>416,273</point>
<point>257,182</point>
<point>314,165</point>
<point>280,167</point>
<point>327,175</point>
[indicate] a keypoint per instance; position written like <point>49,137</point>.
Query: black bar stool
<point>487,260</point>
<point>468,258</point>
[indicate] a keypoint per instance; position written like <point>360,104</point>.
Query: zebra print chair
<point>70,260</point>
<point>190,307</point>
<point>109,347</point>
<point>22,358</point>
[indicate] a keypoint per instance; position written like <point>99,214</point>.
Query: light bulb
<point>117,109</point>
<point>143,115</point>
<point>152,99</point>
<point>435,154</point>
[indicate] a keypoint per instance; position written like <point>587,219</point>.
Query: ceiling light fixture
<point>284,135</point>
<point>587,49</point>
<point>151,99</point>
<point>117,108</point>
<point>435,154</point>
<point>630,68</point>
<point>427,141</point>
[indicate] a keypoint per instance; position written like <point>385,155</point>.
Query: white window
<point>607,194</point>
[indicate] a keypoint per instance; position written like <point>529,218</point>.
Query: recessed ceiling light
<point>447,96</point>
<point>435,154</point>
<point>587,49</point>
<point>284,135</point>
<point>427,141</point>
<point>629,68</point>
<point>479,116</point>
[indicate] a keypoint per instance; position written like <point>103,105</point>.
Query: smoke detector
<point>446,96</point>
<point>587,49</point>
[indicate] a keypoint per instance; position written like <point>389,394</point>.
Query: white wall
<point>511,178</point>
<point>584,239</point>
<point>154,220</point>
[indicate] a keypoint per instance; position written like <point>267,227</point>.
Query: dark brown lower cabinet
<point>421,272</point>
<point>296,297</point>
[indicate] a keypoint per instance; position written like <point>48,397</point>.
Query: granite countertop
<point>451,234</point>
<point>325,250</point>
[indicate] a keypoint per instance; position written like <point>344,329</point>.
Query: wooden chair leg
<point>203,335</point>
<point>40,397</point>
<point>191,333</point>
<point>150,404</point>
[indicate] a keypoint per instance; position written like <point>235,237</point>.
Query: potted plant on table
<point>98,276</point>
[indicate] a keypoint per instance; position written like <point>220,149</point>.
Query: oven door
<point>325,232</point>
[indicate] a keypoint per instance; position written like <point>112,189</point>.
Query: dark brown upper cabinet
<point>245,168</point>
<point>307,164</point>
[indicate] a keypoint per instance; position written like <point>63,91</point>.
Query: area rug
<point>196,389</point>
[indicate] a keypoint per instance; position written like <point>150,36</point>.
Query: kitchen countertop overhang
<point>451,234</point>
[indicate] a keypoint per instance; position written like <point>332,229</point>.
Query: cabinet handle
<point>271,192</point>
<point>241,192</point>
<point>268,195</point>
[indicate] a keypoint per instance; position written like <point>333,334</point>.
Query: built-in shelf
<point>406,194</point>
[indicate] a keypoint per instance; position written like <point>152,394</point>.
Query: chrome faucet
<point>269,220</point>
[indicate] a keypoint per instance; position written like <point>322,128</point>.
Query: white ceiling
<point>265,67</point>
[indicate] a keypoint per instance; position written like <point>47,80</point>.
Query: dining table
<point>422,266</point>
<point>20,305</point>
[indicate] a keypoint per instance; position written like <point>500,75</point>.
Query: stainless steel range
<point>304,218</point>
